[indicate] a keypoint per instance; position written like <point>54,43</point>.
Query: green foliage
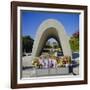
<point>74,42</point>
<point>56,46</point>
<point>47,46</point>
<point>27,43</point>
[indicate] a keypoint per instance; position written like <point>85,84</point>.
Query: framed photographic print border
<point>14,45</point>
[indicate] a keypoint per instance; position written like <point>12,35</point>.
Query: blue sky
<point>30,21</point>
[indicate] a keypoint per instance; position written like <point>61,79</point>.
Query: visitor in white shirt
<point>46,61</point>
<point>41,61</point>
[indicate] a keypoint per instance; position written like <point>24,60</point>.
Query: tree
<point>74,41</point>
<point>27,43</point>
<point>76,34</point>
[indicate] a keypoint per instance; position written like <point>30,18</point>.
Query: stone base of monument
<point>45,72</point>
<point>52,71</point>
<point>41,72</point>
<point>62,71</point>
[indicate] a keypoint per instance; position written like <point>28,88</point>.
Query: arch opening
<point>47,34</point>
<point>52,47</point>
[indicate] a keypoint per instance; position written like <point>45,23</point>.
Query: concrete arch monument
<point>51,28</point>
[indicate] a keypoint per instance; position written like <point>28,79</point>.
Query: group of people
<point>47,62</point>
<point>50,62</point>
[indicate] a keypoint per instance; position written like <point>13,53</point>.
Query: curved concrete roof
<point>51,28</point>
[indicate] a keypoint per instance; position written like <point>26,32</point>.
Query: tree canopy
<point>27,43</point>
<point>74,41</point>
